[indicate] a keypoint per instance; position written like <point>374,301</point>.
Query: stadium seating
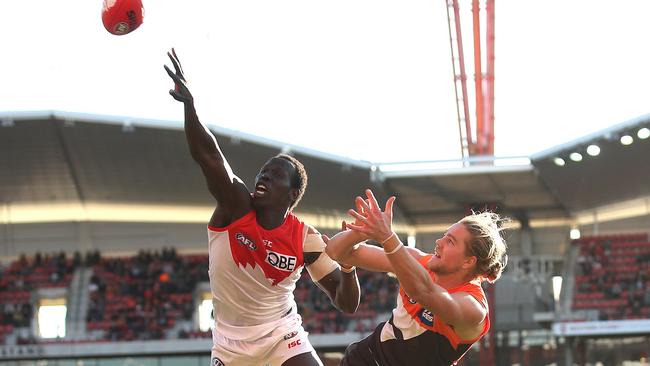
<point>143,296</point>
<point>378,296</point>
<point>20,278</point>
<point>612,276</point>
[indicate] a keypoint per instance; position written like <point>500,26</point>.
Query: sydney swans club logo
<point>241,239</point>
<point>290,335</point>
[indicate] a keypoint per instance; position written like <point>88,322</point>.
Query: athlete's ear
<point>470,261</point>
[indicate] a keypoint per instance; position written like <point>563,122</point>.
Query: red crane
<point>478,138</point>
<point>477,141</point>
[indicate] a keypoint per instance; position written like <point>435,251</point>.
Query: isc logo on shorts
<point>295,343</point>
<point>281,261</point>
<point>217,362</point>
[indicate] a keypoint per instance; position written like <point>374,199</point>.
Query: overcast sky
<point>365,79</point>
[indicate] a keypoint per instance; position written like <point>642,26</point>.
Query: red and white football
<point>121,17</point>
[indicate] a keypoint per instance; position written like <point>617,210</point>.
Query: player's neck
<point>270,218</point>
<point>455,279</point>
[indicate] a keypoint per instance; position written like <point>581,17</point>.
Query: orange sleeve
<point>424,260</point>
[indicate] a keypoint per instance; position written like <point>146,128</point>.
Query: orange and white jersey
<point>414,335</point>
<point>253,273</point>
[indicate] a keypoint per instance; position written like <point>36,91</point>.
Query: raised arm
<point>459,309</point>
<point>232,196</point>
<point>345,247</point>
<point>348,247</point>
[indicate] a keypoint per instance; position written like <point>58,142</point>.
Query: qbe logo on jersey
<point>281,261</point>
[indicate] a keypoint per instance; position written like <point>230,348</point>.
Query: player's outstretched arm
<point>347,247</point>
<point>458,309</point>
<point>344,247</point>
<point>229,191</point>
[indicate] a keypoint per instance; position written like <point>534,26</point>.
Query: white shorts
<point>286,341</point>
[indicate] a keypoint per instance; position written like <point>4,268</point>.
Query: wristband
<point>348,270</point>
<point>400,246</point>
<point>388,238</point>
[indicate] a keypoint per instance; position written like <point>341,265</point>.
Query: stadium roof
<point>52,157</point>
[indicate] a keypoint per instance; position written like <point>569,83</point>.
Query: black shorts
<point>427,349</point>
<point>361,353</point>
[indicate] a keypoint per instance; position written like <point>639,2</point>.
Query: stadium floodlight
<point>643,133</point>
<point>574,234</point>
<point>593,150</point>
<point>575,156</point>
<point>559,161</point>
<point>626,140</point>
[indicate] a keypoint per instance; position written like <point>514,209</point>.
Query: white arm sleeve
<point>324,265</point>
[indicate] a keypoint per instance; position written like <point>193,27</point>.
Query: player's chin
<point>260,201</point>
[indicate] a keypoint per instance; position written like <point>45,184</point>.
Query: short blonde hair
<point>487,244</point>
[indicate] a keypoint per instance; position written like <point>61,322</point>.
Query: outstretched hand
<point>369,218</point>
<point>360,237</point>
<point>180,91</point>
